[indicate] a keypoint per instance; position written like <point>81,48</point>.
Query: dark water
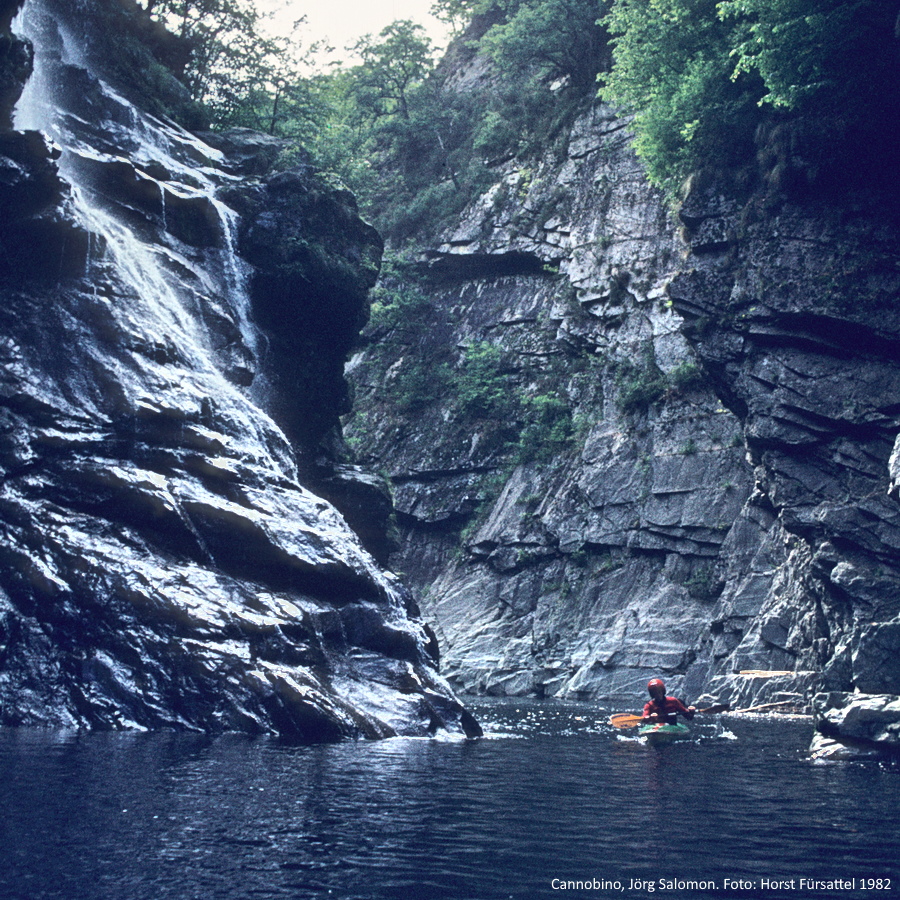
<point>551,794</point>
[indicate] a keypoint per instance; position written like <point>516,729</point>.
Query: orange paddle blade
<point>625,720</point>
<point>721,707</point>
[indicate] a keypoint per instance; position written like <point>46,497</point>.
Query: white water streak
<point>154,273</point>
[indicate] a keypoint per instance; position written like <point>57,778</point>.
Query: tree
<point>241,74</point>
<point>455,13</point>
<point>460,13</point>
<point>401,57</point>
<point>800,47</point>
<point>549,39</point>
<point>831,71</point>
<point>672,68</point>
<point>702,76</point>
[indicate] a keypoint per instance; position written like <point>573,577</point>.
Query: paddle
<point>765,706</point>
<point>629,720</point>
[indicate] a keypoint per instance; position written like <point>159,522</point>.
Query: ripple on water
<point>553,792</point>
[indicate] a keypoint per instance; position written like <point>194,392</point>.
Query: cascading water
<point>160,561</point>
<point>155,269</point>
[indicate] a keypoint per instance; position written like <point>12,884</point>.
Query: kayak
<point>660,733</point>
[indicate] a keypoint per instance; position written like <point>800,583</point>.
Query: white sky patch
<point>343,22</point>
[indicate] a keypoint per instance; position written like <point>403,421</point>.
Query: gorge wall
<point>175,319</point>
<point>679,461</point>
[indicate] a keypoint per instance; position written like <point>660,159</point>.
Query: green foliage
<point>686,375</point>
<point>457,13</point>
<point>277,104</point>
<point>797,47</point>
<point>482,386</point>
<point>641,385</point>
<point>495,134</point>
<point>145,62</point>
<point>419,383</point>
<point>414,150</point>
<point>703,584</point>
<point>398,301</point>
<point>548,40</point>
<point>672,67</point>
<point>392,65</point>
<point>243,76</point>
<point>397,142</point>
<point>548,428</point>
<point>708,82</point>
<point>422,167</point>
<point>702,76</point>
<point>538,427</point>
<point>400,317</point>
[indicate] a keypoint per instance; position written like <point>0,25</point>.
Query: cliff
<point>175,319</point>
<point>679,460</point>
<point>594,541</point>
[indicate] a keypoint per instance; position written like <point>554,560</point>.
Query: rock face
<point>804,349</point>
<point>724,505</point>
<point>163,562</point>
<point>599,506</point>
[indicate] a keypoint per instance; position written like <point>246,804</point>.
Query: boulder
<point>853,725</point>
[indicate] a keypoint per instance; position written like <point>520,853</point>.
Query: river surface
<point>551,798</point>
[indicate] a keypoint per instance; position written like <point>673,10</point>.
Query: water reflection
<point>550,793</point>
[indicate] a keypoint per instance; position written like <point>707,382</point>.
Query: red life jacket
<point>671,706</point>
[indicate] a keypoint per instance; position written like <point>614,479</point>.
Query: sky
<point>343,22</point>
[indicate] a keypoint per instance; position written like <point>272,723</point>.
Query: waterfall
<point>159,550</point>
<point>168,278</point>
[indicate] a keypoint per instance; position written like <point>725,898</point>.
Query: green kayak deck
<point>664,734</point>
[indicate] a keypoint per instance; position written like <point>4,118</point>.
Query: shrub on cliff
<point>702,76</point>
<point>416,145</point>
<point>672,67</point>
<point>548,429</point>
<point>483,386</point>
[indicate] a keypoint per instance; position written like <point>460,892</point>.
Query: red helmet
<point>655,684</point>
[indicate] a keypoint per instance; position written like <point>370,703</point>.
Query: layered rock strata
<point>723,510</point>
<point>574,542</point>
<point>795,316</point>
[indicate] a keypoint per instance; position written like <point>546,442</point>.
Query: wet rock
<point>38,234</point>
<point>163,561</point>
<point>16,61</point>
<point>248,153</point>
<point>876,658</point>
<point>894,469</point>
<point>314,261</point>
<point>824,749</point>
<point>856,725</point>
<point>365,500</point>
<point>119,41</point>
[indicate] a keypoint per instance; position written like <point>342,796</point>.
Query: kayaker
<point>662,708</point>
